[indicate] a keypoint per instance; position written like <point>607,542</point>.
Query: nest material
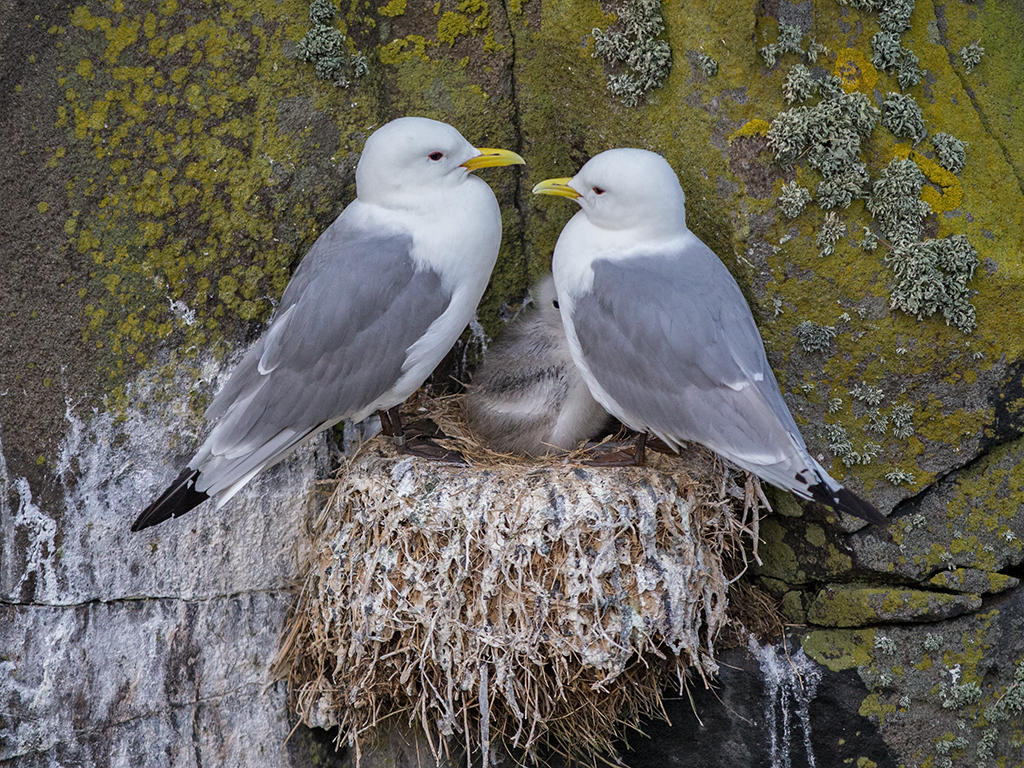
<point>516,604</point>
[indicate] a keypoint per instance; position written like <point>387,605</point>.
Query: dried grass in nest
<point>513,603</point>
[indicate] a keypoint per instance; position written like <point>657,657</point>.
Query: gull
<point>375,305</point>
<point>662,334</point>
<point>528,396</point>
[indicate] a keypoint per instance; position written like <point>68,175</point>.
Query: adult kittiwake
<point>528,395</point>
<point>662,334</point>
<point>374,306</point>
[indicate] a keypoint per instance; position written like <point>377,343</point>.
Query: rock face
<point>167,164</point>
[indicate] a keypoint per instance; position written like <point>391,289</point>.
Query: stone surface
<point>166,165</point>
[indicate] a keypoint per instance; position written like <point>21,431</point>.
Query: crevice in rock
<point>145,598</point>
<point>517,128</point>
<point>254,687</point>
<point>943,27</point>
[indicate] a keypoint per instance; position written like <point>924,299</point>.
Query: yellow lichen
<point>392,8</point>
<point>855,71</point>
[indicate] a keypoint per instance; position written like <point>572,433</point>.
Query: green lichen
<point>949,151</point>
<point>635,47</point>
<point>971,55</point>
<point>933,642</point>
<point>902,116</point>
<point>793,198</point>
<point>814,337</point>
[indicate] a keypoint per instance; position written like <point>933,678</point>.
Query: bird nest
<point>513,606</point>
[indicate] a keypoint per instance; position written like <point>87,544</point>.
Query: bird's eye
<point>554,304</point>
<point>435,156</point>
<point>597,190</point>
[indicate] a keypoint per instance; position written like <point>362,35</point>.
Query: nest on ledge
<point>513,605</point>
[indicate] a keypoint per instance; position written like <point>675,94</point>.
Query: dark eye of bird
<point>435,156</point>
<point>554,304</point>
<point>598,190</point>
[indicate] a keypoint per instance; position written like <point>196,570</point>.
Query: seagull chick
<point>662,334</point>
<point>374,306</point>
<point>528,395</point>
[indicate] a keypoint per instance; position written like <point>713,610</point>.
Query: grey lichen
<point>932,276</point>
<point>895,202</point>
<point>902,116</point>
<point>788,41</point>
<point>828,134</point>
<point>899,477</point>
<point>959,695</point>
<point>1011,702</point>
<point>800,84</point>
<point>902,418</point>
<point>793,198</point>
<point>832,228</point>
<point>840,190</point>
<point>870,241</point>
<point>933,642</point>
<point>835,405</point>
<point>971,55</point>
<point>327,48</point>
<point>322,11</point>
<point>842,447</point>
<point>949,151</point>
<point>885,644</point>
<point>895,15</point>
<point>889,54</point>
<point>635,46</point>
<point>706,65</point>
<point>814,337</point>
<point>867,394</point>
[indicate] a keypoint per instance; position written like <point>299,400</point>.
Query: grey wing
<point>356,304</point>
<point>672,341</point>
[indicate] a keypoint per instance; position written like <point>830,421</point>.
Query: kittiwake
<point>662,333</point>
<point>374,306</point>
<point>528,395</point>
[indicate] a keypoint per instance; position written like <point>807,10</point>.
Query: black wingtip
<point>179,498</point>
<point>846,501</point>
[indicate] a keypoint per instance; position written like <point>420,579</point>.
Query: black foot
<point>425,448</point>
<point>618,455</point>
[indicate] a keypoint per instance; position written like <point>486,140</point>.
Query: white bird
<point>528,395</point>
<point>662,333</point>
<point>374,306</point>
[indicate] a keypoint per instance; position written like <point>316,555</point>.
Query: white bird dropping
<point>662,334</point>
<point>528,395</point>
<point>374,306</point>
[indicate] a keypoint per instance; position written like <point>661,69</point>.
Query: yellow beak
<point>489,157</point>
<point>557,187</point>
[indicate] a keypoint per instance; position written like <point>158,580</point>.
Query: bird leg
<point>391,425</point>
<point>419,445</point>
<point>622,457</point>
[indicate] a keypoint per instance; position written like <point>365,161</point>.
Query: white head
<point>415,156</point>
<point>625,189</point>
